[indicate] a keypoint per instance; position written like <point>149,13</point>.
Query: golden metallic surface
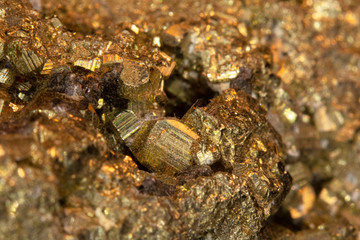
<point>7,77</point>
<point>134,73</point>
<point>126,123</point>
<point>164,146</point>
<point>149,119</point>
<point>174,35</point>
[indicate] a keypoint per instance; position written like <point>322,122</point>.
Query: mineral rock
<point>117,121</point>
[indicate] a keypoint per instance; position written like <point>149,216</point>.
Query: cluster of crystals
<point>57,170</point>
<point>299,59</point>
<point>312,95</point>
<point>32,48</point>
<point>77,109</point>
<point>231,134</point>
<point>206,39</point>
<point>217,50</point>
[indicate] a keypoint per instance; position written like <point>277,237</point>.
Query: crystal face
<point>164,146</point>
<point>179,119</point>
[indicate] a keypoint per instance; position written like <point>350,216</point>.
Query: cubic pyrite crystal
<point>25,60</point>
<point>164,146</point>
<point>126,123</point>
<point>7,77</point>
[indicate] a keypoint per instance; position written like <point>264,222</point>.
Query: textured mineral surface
<point>165,119</point>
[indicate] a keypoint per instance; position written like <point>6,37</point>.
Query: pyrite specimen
<point>107,195</point>
<point>231,135</point>
<point>141,175</point>
<point>82,83</point>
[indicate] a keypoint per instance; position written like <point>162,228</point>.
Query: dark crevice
<point>182,94</point>
<point>153,186</point>
<point>284,219</point>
